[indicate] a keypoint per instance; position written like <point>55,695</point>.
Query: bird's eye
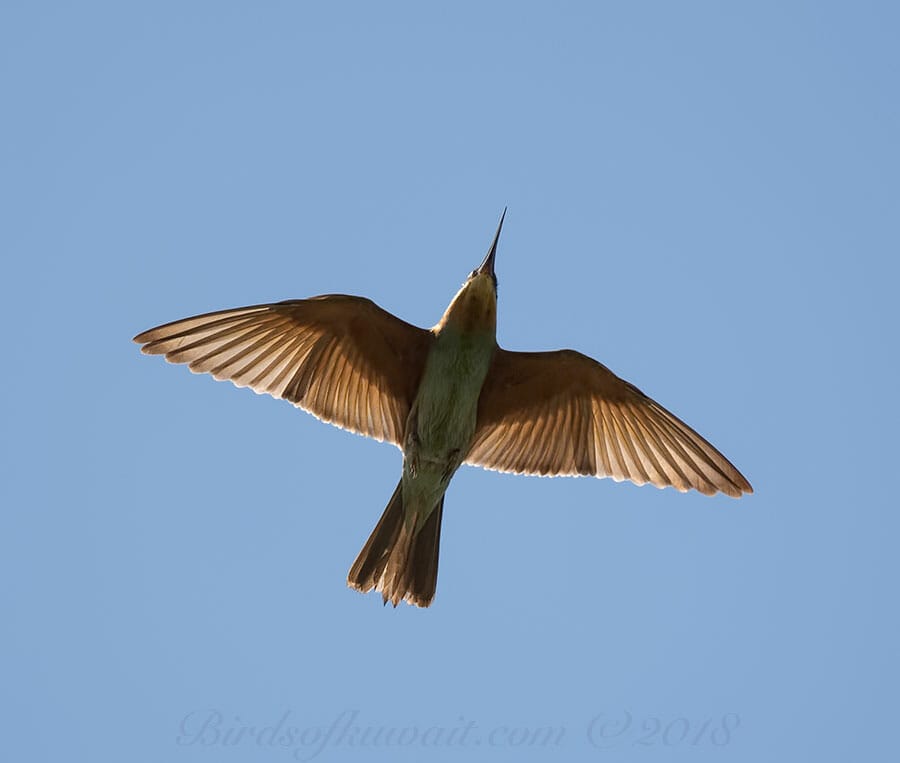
<point>473,274</point>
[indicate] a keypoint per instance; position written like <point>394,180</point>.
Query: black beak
<point>488,265</point>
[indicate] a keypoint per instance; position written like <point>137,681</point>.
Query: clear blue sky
<point>703,196</point>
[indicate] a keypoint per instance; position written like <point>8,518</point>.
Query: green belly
<point>444,414</point>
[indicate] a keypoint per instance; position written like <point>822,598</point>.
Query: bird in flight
<point>445,396</point>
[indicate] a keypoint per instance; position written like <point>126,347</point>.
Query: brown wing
<point>342,358</point>
<point>562,413</point>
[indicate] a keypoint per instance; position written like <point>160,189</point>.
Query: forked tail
<point>400,559</point>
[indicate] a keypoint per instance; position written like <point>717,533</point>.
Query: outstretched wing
<point>342,358</point>
<point>562,413</point>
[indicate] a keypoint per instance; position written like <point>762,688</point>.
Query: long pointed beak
<point>488,265</point>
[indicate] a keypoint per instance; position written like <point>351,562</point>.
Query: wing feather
<point>341,358</point>
<point>562,413</point>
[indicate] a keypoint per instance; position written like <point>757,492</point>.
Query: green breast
<point>451,384</point>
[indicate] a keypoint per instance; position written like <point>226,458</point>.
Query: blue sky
<point>703,196</point>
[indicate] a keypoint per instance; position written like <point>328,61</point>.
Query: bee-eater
<point>445,396</point>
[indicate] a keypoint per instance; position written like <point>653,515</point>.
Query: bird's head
<point>474,308</point>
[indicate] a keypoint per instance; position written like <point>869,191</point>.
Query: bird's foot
<point>453,461</point>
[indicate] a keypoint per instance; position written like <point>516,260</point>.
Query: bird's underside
<point>352,364</point>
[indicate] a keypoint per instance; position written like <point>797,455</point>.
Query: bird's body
<point>436,439</point>
<point>442,421</point>
<point>447,396</point>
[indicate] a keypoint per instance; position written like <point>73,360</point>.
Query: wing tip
<point>149,347</point>
<point>744,488</point>
<point>735,488</point>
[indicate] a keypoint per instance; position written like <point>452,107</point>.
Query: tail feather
<point>369,565</point>
<point>425,558</point>
<point>400,558</point>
